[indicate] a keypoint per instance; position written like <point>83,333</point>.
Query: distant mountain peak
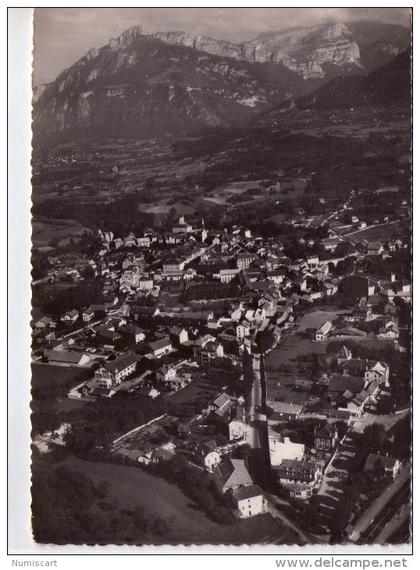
<point>151,84</point>
<point>127,37</point>
<point>311,51</point>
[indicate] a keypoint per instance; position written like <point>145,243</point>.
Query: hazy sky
<point>63,35</point>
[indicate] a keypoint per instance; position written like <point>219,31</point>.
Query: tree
<point>385,405</point>
<point>139,519</point>
<point>346,266</point>
<point>344,248</point>
<point>88,272</point>
<point>374,437</point>
<point>341,428</point>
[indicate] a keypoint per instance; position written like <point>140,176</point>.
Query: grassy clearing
<point>380,232</point>
<point>45,231</point>
<point>51,381</point>
<point>281,365</point>
<point>131,487</point>
<point>200,391</point>
<point>315,319</point>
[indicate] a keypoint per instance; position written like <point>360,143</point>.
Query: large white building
<point>281,448</point>
<point>116,371</point>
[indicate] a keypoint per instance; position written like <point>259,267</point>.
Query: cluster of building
<point>175,305</point>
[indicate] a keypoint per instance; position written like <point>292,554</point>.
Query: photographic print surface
<point>221,276</point>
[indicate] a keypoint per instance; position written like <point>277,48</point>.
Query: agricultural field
<point>47,233</point>
<point>49,381</point>
<point>244,191</point>
<point>287,361</point>
<point>232,176</point>
<point>190,400</point>
<point>380,232</point>
<point>130,487</point>
<point>314,319</point>
<point>283,365</point>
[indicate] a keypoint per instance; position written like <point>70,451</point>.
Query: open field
<point>199,174</point>
<point>199,391</point>
<point>314,319</point>
<point>381,232</point>
<point>163,209</point>
<point>284,364</point>
<point>281,366</point>
<point>278,218</point>
<point>222,195</point>
<point>60,231</point>
<point>131,486</point>
<point>48,379</point>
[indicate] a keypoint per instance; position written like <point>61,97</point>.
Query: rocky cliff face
<point>313,52</point>
<point>37,91</point>
<point>386,85</point>
<point>146,85</point>
<point>139,86</point>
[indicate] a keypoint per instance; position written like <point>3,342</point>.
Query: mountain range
<point>385,85</point>
<point>148,85</point>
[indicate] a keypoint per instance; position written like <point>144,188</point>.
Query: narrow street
<point>254,378</point>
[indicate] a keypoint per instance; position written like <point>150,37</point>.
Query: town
<point>275,371</point>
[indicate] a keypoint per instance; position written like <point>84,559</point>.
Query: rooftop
<point>160,343</point>
<point>247,492</point>
<point>122,362</point>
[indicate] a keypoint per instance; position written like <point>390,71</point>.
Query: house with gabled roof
<point>244,260</point>
<point>210,452</point>
<point>375,248</point>
<point>232,474</point>
<point>343,355</point>
<point>250,501</point>
<point>93,311</point>
<point>243,329</point>
<point>178,335</point>
<point>326,437</point>
<point>390,465</point>
<point>359,401</point>
<point>300,478</point>
<point>222,406</point>
<point>238,427</point>
<point>115,371</point>
<point>377,370</point>
<point>340,384</point>
<point>70,316</point>
<point>108,335</point>
<point>354,367</point>
<point>45,322</point>
<point>160,347</point>
<point>208,352</point>
<point>132,332</point>
<point>390,330</point>
<point>323,331</point>
<point>276,276</point>
<point>66,358</point>
<point>283,411</point>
